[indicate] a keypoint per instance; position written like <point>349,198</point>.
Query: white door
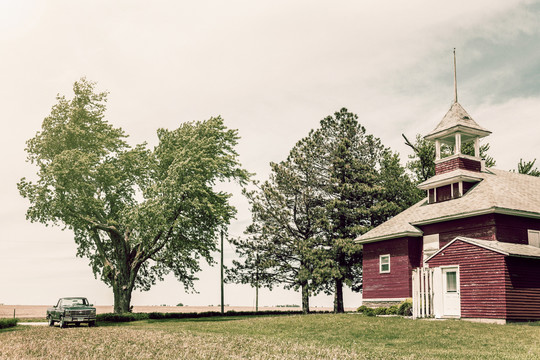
<point>451,298</point>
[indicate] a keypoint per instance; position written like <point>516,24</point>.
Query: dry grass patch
<point>327,336</point>
<point>134,343</point>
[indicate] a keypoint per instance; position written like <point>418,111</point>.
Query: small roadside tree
<point>137,214</point>
<point>286,215</point>
<point>363,185</point>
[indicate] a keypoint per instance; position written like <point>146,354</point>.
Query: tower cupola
<point>456,129</point>
<point>457,153</point>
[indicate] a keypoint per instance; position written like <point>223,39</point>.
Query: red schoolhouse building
<point>476,235</point>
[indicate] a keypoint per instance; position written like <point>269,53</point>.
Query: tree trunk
<point>305,299</point>
<point>122,275</point>
<point>122,298</point>
<point>338,297</point>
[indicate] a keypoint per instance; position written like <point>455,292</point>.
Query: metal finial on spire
<point>455,77</point>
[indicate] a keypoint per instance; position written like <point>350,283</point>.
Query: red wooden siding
<point>492,285</point>
<point>482,279</point>
<point>523,288</point>
<point>404,256</point>
<point>457,163</point>
<point>499,227</point>
<point>514,229</point>
<point>415,254</point>
<point>478,227</point>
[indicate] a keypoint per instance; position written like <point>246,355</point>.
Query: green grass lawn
<point>323,336</point>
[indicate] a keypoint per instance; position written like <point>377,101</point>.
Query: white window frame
<point>381,257</point>
<point>531,234</point>
<point>455,290</point>
<point>430,245</point>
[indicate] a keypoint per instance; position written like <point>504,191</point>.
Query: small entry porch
<point>436,292</point>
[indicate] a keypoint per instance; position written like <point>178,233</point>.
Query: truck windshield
<point>74,302</point>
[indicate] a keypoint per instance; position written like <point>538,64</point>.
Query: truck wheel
<point>51,321</point>
<point>62,323</point>
<point>92,323</point>
<point>77,324</point>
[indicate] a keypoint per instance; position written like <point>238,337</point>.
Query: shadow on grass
<point>208,319</point>
<point>38,319</point>
<point>186,320</point>
<point>14,328</point>
<point>110,323</point>
<point>526,323</point>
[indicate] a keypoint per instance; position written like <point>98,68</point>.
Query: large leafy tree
<point>286,215</point>
<point>137,214</point>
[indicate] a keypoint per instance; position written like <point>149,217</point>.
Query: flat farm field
<point>38,311</point>
<point>315,336</point>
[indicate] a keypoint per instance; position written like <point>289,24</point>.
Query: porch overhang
<point>449,178</point>
<point>491,210</point>
<point>390,236</point>
<point>504,248</point>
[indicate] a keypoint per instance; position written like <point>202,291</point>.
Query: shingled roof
<point>498,191</point>
<point>457,117</point>
<point>508,249</point>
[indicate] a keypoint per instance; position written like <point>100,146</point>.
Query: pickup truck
<point>72,310</point>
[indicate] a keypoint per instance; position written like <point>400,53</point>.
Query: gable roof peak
<point>456,119</point>
<point>504,248</point>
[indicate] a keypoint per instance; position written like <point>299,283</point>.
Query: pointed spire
<point>456,120</point>
<point>455,77</point>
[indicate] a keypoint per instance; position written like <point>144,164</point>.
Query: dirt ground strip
<point>36,311</point>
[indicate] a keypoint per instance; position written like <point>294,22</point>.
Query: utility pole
<point>222,293</point>
<point>257,285</point>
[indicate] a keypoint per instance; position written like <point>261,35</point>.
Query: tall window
<point>534,238</point>
<point>431,196</point>
<point>384,263</point>
<point>430,245</point>
<point>455,190</point>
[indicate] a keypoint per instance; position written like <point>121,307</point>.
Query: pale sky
<point>272,70</point>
